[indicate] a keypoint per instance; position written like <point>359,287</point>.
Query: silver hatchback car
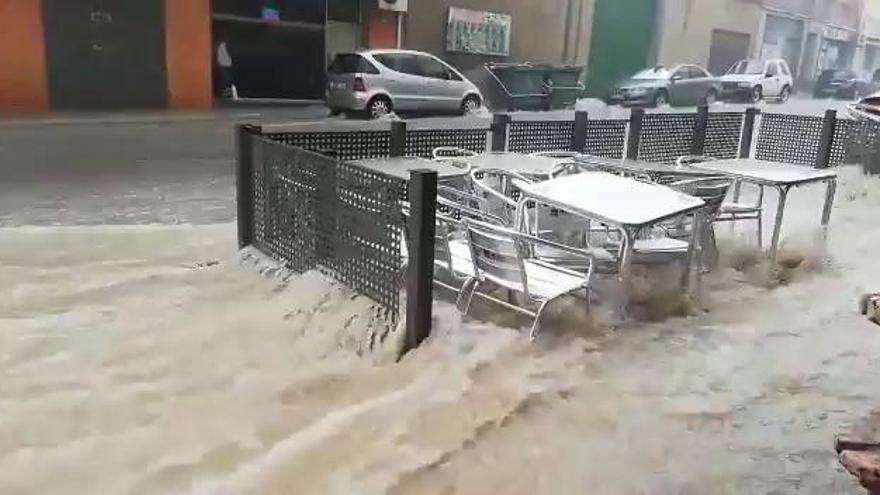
<point>378,82</point>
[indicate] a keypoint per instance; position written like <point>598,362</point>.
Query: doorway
<point>727,48</point>
<point>623,31</point>
<point>105,54</point>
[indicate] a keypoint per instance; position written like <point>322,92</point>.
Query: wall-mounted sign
<point>395,5</point>
<point>837,34</point>
<point>472,31</point>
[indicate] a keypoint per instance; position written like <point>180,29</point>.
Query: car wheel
<point>470,104</point>
<point>785,94</point>
<point>379,107</point>
<point>661,99</point>
<point>757,94</point>
<point>711,97</point>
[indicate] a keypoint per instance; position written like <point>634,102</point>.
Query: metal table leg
<point>777,224</point>
<point>625,276</point>
<point>830,190</point>
<point>694,252</point>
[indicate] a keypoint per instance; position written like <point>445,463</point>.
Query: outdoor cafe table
<point>526,165</point>
<point>400,167</point>
<point>781,176</point>
<point>654,170</point>
<point>627,204</point>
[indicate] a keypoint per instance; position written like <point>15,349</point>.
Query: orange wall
<point>381,29</point>
<point>188,53</point>
<point>22,57</point>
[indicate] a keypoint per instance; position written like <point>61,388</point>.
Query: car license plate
<point>337,85</point>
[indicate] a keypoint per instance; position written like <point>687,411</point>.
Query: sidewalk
<point>243,110</point>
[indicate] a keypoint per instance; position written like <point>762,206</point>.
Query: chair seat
<point>739,208</point>
<point>549,253</point>
<point>544,281</point>
<point>660,245</point>
<point>547,283</point>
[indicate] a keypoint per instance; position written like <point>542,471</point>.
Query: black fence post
<point>499,131</point>
<point>420,278</point>
<point>579,137</point>
<point>244,181</point>
<point>634,137</point>
<point>398,138</point>
<point>826,140</point>
<point>698,142</point>
<point>748,131</point>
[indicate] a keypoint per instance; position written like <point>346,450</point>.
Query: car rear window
<point>351,63</point>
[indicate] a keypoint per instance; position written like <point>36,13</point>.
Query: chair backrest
<point>684,161</point>
<point>458,211</point>
<point>558,154</point>
<point>712,190</point>
<point>497,254</point>
<point>446,152</point>
<point>501,190</point>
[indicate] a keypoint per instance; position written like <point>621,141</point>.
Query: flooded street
<point>147,360</point>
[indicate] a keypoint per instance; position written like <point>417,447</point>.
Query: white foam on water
<point>131,362</point>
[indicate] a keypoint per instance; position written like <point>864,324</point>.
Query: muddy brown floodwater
<point>131,362</point>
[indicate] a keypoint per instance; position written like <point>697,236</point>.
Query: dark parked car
<point>842,83</point>
<point>660,86</point>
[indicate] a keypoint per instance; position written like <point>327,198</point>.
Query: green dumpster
<point>523,86</point>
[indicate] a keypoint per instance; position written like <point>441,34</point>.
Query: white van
<point>754,80</point>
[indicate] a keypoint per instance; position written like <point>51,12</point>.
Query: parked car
<point>659,86</point>
<point>753,80</point>
<point>868,108</point>
<point>842,83</point>
<point>377,82</point>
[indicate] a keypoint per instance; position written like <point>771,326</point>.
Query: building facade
<point>546,31</point>
<point>811,35</point>
<point>108,54</point>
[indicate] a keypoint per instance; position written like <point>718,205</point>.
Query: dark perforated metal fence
<point>536,136</point>
<point>348,145</point>
<point>312,211</point>
<point>422,142</point>
<point>302,202</point>
<point>666,136</point>
<point>723,134</point>
<point>606,137</point>
<point>788,138</point>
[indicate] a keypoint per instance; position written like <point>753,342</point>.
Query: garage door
<point>105,53</point>
<point>727,48</point>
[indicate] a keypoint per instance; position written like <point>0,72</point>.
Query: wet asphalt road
<point>149,168</point>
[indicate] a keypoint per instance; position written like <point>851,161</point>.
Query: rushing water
<point>131,363</point>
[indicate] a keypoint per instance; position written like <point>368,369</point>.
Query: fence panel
<point>313,211</point>
<point>366,253</point>
<point>422,142</point>
<point>666,136</point>
<point>348,145</point>
<point>854,141</point>
<point>606,137</point>
<point>789,138</point>
<point>723,134</point>
<point>535,136</point>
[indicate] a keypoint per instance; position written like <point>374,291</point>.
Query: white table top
<point>513,162</point>
<point>400,166</point>
<point>612,199</point>
<point>766,173</point>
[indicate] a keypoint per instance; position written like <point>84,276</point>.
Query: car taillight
<point>358,85</point>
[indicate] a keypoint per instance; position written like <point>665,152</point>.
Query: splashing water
<point>126,370</point>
